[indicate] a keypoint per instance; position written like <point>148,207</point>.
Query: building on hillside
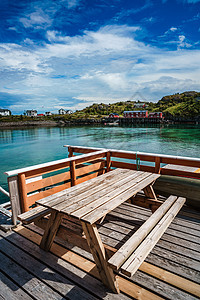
<point>48,113</point>
<point>31,113</point>
<point>140,105</point>
<point>5,112</point>
<point>62,111</point>
<point>40,115</point>
<point>155,115</point>
<point>69,111</point>
<point>113,115</point>
<point>136,114</point>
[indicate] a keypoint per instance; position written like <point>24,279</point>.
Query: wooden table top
<point>93,199</point>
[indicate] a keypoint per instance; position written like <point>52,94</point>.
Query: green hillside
<point>186,104</point>
<point>103,110</point>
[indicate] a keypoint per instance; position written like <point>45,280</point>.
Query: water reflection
<point>6,136</point>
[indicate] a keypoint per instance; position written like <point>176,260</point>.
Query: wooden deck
<point>171,270</point>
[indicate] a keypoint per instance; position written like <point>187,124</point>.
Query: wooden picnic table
<point>91,201</point>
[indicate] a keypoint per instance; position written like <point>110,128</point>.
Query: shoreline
<point>28,124</point>
<point>91,122</point>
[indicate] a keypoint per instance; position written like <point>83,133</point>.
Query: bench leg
<point>98,251</point>
<point>50,230</point>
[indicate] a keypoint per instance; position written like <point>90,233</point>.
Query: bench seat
<point>132,254</point>
<point>33,214</point>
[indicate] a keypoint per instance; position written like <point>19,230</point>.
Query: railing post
<point>157,164</point>
<point>23,192</point>
<point>108,161</point>
<point>70,150</point>
<point>14,198</point>
<point>73,172</point>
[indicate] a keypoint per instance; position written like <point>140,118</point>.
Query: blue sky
<point>72,53</point>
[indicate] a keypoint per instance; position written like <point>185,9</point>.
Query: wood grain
<point>125,251</point>
<point>135,260</point>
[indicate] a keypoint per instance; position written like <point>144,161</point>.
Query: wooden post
<point>51,230</point>
<point>70,150</point>
<point>73,173</point>
<point>157,164</point>
<point>14,198</point>
<point>23,192</point>
<point>98,251</point>
<point>72,167</point>
<point>108,161</point>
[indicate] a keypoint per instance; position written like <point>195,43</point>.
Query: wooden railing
<point>157,161</point>
<point>30,184</point>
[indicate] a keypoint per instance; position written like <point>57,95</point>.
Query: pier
<point>66,266</point>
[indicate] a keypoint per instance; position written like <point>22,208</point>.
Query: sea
<point>29,146</point>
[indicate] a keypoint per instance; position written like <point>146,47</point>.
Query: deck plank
<point>46,276</point>
<point>193,233</point>
<point>126,286</point>
<point>173,243</point>
<point>10,291</point>
<point>165,289</point>
<point>176,254</point>
<point>114,223</point>
<point>22,277</point>
<point>66,269</point>
<point>185,223</point>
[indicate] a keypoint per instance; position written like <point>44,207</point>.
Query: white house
<point>48,113</point>
<point>31,113</point>
<point>69,112</point>
<point>5,112</point>
<point>62,111</point>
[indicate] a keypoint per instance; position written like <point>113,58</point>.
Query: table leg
<point>98,251</point>
<point>149,192</point>
<point>51,230</point>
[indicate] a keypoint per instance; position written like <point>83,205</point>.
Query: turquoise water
<point>25,147</point>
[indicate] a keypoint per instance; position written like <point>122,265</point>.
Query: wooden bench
<point>33,214</point>
<point>132,254</point>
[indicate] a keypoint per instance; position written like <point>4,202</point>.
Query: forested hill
<point>186,104</point>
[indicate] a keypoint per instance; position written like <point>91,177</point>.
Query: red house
<point>156,115</point>
<point>113,115</point>
<point>136,114</point>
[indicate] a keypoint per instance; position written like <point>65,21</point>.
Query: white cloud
<point>173,29</point>
<point>101,66</point>
<point>37,19</point>
<point>16,57</point>
<point>182,42</point>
